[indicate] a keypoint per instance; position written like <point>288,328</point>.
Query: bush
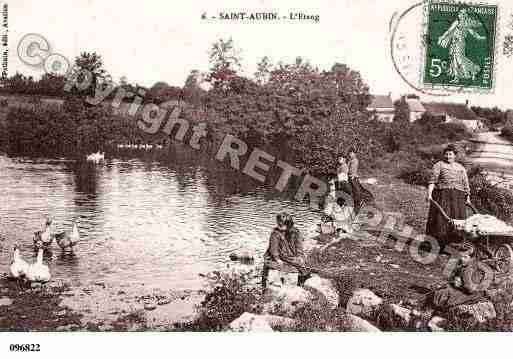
<point>453,131</point>
<point>417,172</point>
<point>410,137</point>
<point>489,198</point>
<point>312,115</point>
<point>45,129</point>
<point>230,294</point>
<point>34,100</point>
<point>507,130</point>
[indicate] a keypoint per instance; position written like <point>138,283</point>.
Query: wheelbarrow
<point>490,247</point>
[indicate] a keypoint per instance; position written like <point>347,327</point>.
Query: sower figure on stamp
<point>285,251</point>
<point>461,67</point>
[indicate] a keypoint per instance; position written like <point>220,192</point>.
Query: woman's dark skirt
<point>343,186</point>
<point>453,203</point>
<point>361,195</point>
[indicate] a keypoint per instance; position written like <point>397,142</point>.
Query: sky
<point>163,40</point>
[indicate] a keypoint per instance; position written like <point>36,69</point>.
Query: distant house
<point>416,109</point>
<point>455,113</point>
<point>383,107</point>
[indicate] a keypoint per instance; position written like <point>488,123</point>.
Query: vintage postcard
<point>254,166</point>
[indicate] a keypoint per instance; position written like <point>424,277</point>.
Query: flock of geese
<point>140,146</point>
<point>38,271</point>
<point>35,272</point>
<point>98,157</point>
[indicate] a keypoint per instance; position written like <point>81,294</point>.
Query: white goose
<point>43,238</point>
<point>39,272</point>
<point>96,157</point>
<point>66,239</point>
<point>19,267</point>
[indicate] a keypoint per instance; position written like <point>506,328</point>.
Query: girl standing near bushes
<point>449,187</point>
<point>360,194</point>
<point>342,176</point>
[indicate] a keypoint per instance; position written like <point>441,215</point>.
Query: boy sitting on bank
<point>285,251</point>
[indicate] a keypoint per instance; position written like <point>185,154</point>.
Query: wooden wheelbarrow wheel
<point>504,258</point>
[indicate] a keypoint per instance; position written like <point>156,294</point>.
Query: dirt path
<point>492,152</point>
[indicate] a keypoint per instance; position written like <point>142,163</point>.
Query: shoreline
<point>50,307</point>
<point>156,309</point>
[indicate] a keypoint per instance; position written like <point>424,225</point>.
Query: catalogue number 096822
<point>24,347</point>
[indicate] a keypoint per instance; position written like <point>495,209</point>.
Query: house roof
<point>415,105</point>
<point>381,101</point>
<point>457,110</point>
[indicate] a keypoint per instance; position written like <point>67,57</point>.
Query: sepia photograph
<point>255,166</point>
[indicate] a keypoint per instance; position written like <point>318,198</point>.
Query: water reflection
<point>159,218</point>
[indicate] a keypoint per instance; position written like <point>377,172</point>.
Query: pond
<point>157,218</point>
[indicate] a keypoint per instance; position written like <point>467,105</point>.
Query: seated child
<point>340,214</point>
<point>285,250</point>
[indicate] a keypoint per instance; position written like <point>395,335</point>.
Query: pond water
<point>158,218</point>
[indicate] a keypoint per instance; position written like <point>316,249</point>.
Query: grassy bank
<point>35,309</point>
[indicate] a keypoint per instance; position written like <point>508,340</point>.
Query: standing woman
<point>359,193</point>
<point>449,187</point>
<point>342,176</point>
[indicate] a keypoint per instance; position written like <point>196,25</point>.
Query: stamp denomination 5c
<point>459,46</point>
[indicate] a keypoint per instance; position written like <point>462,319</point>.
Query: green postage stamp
<point>459,49</point>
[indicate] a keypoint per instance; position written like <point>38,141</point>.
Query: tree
<point>495,116</point>
<point>310,114</point>
<point>92,64</point>
<point>264,68</point>
<point>192,90</point>
<point>123,81</point>
<point>51,85</point>
<point>161,92</point>
<point>402,111</point>
<point>192,79</point>
<point>19,84</point>
<point>225,62</point>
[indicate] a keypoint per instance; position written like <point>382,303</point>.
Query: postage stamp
<point>460,45</point>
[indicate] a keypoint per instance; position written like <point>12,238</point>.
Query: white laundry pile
<point>485,223</point>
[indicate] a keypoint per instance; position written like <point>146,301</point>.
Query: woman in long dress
<point>449,187</point>
<point>342,176</point>
<point>361,195</point>
<point>461,67</point>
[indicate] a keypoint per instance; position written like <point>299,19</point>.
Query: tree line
<point>306,115</point>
